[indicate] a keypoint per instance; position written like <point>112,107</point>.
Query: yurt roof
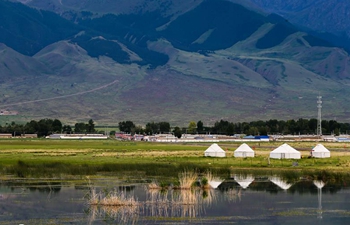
<point>284,148</point>
<point>320,148</point>
<point>214,148</point>
<point>244,148</point>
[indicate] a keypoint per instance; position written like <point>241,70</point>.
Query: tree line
<point>273,126</point>
<point>301,126</point>
<point>46,127</point>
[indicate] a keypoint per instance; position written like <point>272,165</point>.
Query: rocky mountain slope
<point>215,60</point>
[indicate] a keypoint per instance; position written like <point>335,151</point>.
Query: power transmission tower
<point>319,118</point>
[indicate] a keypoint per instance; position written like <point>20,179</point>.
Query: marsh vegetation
<point>60,158</point>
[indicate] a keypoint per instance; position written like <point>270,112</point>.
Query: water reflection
<point>177,203</point>
<point>319,184</point>
<point>240,199</point>
<point>119,214</point>
<point>244,180</point>
<point>280,182</point>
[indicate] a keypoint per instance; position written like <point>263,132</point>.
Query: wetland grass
<point>113,198</point>
<point>54,158</point>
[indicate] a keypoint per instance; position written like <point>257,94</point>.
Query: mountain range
<point>174,61</point>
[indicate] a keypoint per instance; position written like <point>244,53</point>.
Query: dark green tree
<point>126,126</point>
<point>90,127</point>
<point>80,128</point>
<point>152,128</point>
<point>32,127</point>
<point>200,127</point>
<point>177,132</point>
<point>164,127</point>
<point>45,127</point>
<point>67,129</point>
<point>56,126</point>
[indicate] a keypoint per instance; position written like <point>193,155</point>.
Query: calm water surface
<point>238,200</point>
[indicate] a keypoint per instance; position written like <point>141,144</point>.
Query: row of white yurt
<point>216,151</point>
<point>284,151</point>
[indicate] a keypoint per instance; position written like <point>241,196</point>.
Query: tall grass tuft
<point>187,179</point>
<point>94,197</point>
<point>118,198</point>
<point>113,198</point>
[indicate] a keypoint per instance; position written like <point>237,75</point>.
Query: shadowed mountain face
<point>320,15</point>
<point>330,18</point>
<point>176,61</point>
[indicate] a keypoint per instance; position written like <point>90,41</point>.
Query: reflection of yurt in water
<point>319,184</point>
<point>280,182</point>
<point>319,151</point>
<point>215,151</point>
<point>244,180</point>
<point>215,183</point>
<point>244,151</point>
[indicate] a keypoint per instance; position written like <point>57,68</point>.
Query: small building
<point>285,151</point>
<point>29,136</point>
<point>5,135</point>
<point>78,136</point>
<point>343,139</point>
<point>319,151</point>
<point>243,151</point>
<point>215,151</point>
<point>263,138</point>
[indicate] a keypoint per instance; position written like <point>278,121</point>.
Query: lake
<point>240,199</point>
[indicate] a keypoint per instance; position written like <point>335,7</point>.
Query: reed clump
<point>113,198</point>
<point>187,179</point>
<point>154,185</point>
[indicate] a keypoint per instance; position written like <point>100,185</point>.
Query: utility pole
<point>319,118</point>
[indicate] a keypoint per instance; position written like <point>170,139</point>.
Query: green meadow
<point>61,158</point>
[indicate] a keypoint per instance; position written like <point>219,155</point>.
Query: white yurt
<point>285,151</point>
<point>243,151</point>
<point>280,183</point>
<point>215,151</point>
<point>319,151</point>
<point>244,181</point>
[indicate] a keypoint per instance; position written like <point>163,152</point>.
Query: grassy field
<point>52,158</point>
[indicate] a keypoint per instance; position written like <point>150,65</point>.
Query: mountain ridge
<point>144,73</point>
